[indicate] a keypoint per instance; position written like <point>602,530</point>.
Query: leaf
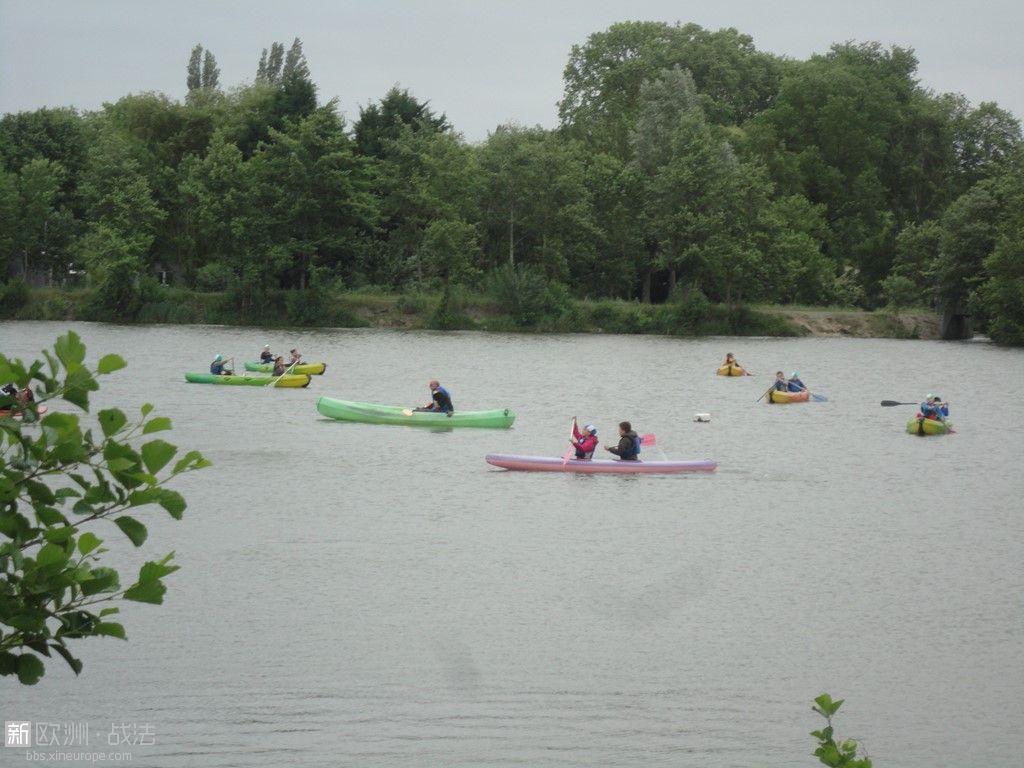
<point>191,460</point>
<point>8,663</point>
<point>103,580</point>
<point>50,516</point>
<point>70,349</point>
<point>150,592</point>
<point>110,363</point>
<point>74,663</point>
<point>146,409</point>
<point>159,424</point>
<point>30,669</point>
<point>173,502</point>
<point>88,541</point>
<point>51,556</point>
<point>111,420</point>
<point>39,492</point>
<point>59,535</point>
<point>110,629</point>
<point>151,571</point>
<point>156,454</point>
<point>109,611</point>
<point>132,528</point>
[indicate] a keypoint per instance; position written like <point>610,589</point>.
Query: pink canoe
<point>597,466</point>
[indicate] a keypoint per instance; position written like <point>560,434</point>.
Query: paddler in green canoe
<point>219,366</point>
<point>441,400</point>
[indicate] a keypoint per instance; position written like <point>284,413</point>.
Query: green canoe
<point>313,369</point>
<point>371,413</point>
<point>250,381</point>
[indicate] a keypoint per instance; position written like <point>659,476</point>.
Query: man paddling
<point>934,408</point>
<point>584,441</point>
<point>628,448</point>
<point>219,366</point>
<point>795,385</point>
<point>266,356</point>
<point>441,401</point>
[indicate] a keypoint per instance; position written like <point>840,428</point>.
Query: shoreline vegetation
<point>694,185</point>
<point>466,310</point>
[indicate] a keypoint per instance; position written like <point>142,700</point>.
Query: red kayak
<point>18,413</point>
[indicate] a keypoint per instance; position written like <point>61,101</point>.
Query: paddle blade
<point>648,439</point>
<point>407,411</point>
<point>890,403</point>
<point>819,398</point>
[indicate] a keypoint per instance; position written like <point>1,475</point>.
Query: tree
<point>211,72</point>
<point>383,122</point>
<point>270,66</point>
<point>194,76</point>
<point>39,188</point>
<point>56,488</point>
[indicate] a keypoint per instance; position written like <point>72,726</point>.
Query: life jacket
<point>443,400</point>
<point>586,446</point>
<point>635,452</point>
<point>216,368</point>
<point>267,357</point>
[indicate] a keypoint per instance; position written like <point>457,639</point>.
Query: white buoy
<point>702,417</point>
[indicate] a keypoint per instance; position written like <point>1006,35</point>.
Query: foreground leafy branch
<point>57,484</point>
<point>836,755</point>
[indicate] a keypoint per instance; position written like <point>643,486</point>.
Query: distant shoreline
<point>420,311</point>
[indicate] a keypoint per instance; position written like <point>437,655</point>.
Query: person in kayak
<point>933,408</point>
<point>794,384</point>
<point>441,399</point>
<point>780,385</point>
<point>219,366</point>
<point>628,448</point>
<point>266,356</point>
<point>585,441</point>
<point>279,366</point>
<point>296,358</point>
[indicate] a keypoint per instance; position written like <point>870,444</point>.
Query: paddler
<point>780,385</point>
<point>794,383</point>
<point>934,408</point>
<point>296,358</point>
<point>266,356</point>
<point>279,366</point>
<point>219,366</point>
<point>584,441</point>
<point>628,448</point>
<point>441,399</point>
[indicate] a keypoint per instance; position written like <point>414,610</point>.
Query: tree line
<point>686,163</point>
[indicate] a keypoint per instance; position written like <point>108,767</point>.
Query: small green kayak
<point>313,369</point>
<point>372,413</point>
<point>923,427</point>
<point>249,381</point>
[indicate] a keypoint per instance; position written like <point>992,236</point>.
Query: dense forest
<point>687,165</point>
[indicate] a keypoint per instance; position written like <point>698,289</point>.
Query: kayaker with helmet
<point>780,385</point>
<point>219,366</point>
<point>584,441</point>
<point>266,356</point>
<point>628,448</point>
<point>934,408</point>
<point>794,383</point>
<point>441,399</point>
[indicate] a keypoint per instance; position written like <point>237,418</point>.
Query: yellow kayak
<point>788,397</point>
<point>924,427</point>
<point>731,370</point>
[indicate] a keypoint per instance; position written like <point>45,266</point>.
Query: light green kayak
<point>248,381</point>
<point>313,369</point>
<point>372,413</point>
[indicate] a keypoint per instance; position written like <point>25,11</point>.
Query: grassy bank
<point>475,311</point>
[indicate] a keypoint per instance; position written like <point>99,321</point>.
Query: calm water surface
<point>378,596</point>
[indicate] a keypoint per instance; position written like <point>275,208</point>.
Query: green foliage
<point>837,755</point>
<point>899,292</point>
<point>525,294</point>
<point>53,586</point>
<point>13,296</point>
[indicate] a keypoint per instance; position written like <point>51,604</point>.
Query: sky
<point>482,63</point>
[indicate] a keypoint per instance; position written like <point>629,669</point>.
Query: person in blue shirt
<point>266,356</point>
<point>441,399</point>
<point>934,408</point>
<point>780,382</point>
<point>794,384</point>
<point>219,366</point>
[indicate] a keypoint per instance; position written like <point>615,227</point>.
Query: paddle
<point>571,448</point>
<point>648,439</point>
<point>765,393</point>
<point>890,403</point>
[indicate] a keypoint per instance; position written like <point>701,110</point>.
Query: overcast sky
<point>483,63</point>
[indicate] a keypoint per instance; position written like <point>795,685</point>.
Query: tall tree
<point>385,121</point>
<point>211,72</point>
<point>194,76</point>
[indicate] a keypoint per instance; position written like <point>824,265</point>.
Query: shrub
<point>13,296</point>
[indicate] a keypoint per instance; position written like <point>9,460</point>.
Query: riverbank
<point>474,311</point>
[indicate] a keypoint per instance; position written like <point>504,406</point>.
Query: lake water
<point>379,596</point>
